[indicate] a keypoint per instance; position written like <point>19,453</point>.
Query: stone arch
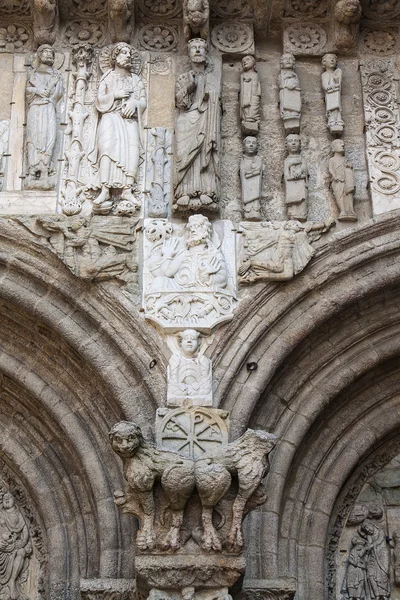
<point>72,363</point>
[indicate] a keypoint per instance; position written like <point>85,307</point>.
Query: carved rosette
<point>383,141</point>
<point>233,37</point>
<point>158,37</point>
<point>84,32</point>
<point>304,39</point>
<point>381,42</point>
<point>15,37</point>
<point>15,7</point>
<point>378,10</point>
<point>231,10</point>
<point>305,9</point>
<point>160,8</point>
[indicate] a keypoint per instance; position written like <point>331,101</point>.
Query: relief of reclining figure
<point>211,475</point>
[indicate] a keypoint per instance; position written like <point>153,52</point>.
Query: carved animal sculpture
<point>245,458</point>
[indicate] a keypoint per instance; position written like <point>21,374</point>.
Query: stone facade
<point>199,300</point>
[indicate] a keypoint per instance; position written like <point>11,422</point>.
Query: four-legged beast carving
<point>211,475</point>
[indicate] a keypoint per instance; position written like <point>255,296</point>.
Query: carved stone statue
<point>15,549</point>
<point>189,373</point>
<point>45,21</point>
<point>347,15</point>
<point>197,133</point>
<point>251,173</point>
<point>44,90</point>
<point>332,85</point>
<point>354,583</point>
<point>195,18</point>
<point>342,182</point>
<point>120,19</point>
<point>377,560</point>
<point>250,97</point>
<point>121,100</point>
<point>289,94</point>
<point>211,475</point>
<point>296,179</point>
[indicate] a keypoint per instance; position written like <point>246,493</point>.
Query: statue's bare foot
<point>211,540</point>
<point>102,209</point>
<point>103,197</point>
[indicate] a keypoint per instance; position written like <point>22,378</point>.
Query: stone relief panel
<point>22,552</point>
<point>197,134</point>
<point>192,432</point>
<point>4,134</point>
<point>188,273</point>
<point>164,9</point>
<point>309,8</point>
<point>85,8</point>
<point>367,554</point>
<point>93,248</point>
<point>158,172</point>
<point>277,250</point>
<point>44,91</point>
<point>84,31</point>
<point>158,37</point>
<point>189,372</point>
<point>383,143</point>
<point>378,10</point>
<point>146,468</point>
<point>382,41</point>
<point>228,9</point>
<point>15,7</point>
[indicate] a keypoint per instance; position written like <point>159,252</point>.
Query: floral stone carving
<point>84,32</point>
<point>233,38</point>
<point>211,475</point>
<point>158,38</point>
<point>44,90</point>
<point>121,100</point>
<point>189,373</point>
<point>159,8</point>
<point>381,41</point>
<point>197,135</point>
<point>93,248</point>
<point>15,37</point>
<point>380,9</point>
<point>192,432</point>
<point>304,39</point>
<point>307,8</point>
<point>188,273</point>
<point>277,250</point>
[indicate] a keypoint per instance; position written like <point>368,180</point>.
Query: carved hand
<point>170,248</point>
<point>129,109</point>
<point>121,94</point>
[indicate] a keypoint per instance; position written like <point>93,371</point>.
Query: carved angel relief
<point>277,250</point>
<point>188,273</point>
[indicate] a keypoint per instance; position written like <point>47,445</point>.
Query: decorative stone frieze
<point>383,142</point>
<point>158,37</point>
<point>15,37</point>
<point>304,38</point>
<point>233,37</point>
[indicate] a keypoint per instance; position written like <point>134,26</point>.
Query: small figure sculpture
<point>332,85</point>
<point>289,95</point>
<point>195,18</point>
<point>251,172</point>
<point>44,90</point>
<point>250,97</point>
<point>121,100</point>
<point>354,581</point>
<point>189,373</point>
<point>377,560</point>
<point>211,475</point>
<point>196,135</point>
<point>296,180</point>
<point>15,549</point>
<point>347,17</point>
<point>343,184</point>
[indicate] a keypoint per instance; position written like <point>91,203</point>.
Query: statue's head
<point>348,11</point>
<point>125,438</point>
<point>357,541</point>
<point>248,62</point>
<point>197,48</point>
<point>189,341</point>
<point>329,61</point>
<point>8,500</point>
<point>288,61</point>
<point>368,527</point>
<point>338,146</point>
<point>199,230</point>
<point>121,55</point>
<point>45,55</point>
<point>293,143</point>
<point>250,145</point>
